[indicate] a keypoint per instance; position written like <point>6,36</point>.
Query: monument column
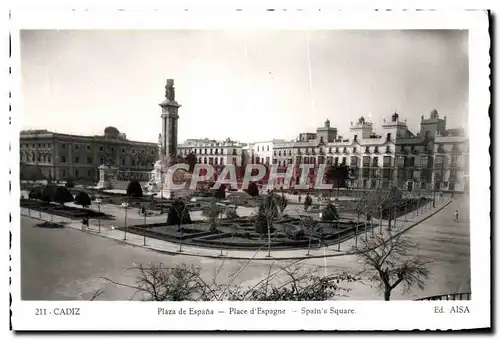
<point>169,116</point>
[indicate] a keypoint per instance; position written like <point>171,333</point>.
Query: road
<point>66,264</point>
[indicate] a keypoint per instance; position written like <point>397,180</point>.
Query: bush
<point>134,189</point>
<point>48,193</point>
<point>70,183</point>
<point>330,213</point>
<point>307,202</point>
<point>253,189</point>
<point>177,210</point>
<point>82,199</point>
<point>62,195</point>
<point>35,194</point>
<point>220,193</point>
<point>232,215</point>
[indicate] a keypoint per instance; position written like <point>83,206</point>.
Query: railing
<point>448,297</point>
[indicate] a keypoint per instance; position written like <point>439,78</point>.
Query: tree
<point>191,161</point>
<point>178,214</point>
<point>388,262</point>
<point>220,193</point>
<point>253,189</point>
<point>157,282</point>
<point>83,199</point>
<point>134,189</point>
<point>307,202</point>
<point>330,213</point>
<point>212,213</point>
<point>70,183</point>
<point>308,223</point>
<point>63,195</point>
<point>269,211</point>
<point>338,175</point>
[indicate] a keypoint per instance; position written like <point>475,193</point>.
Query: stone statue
<point>160,140</point>
<point>170,90</point>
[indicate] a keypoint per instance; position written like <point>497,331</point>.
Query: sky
<point>246,85</point>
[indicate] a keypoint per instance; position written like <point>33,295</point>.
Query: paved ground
<point>66,264</point>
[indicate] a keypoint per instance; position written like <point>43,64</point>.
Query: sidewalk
<point>109,231</point>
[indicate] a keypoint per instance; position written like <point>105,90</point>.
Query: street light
<point>125,206</point>
<point>98,201</point>
<point>144,211</point>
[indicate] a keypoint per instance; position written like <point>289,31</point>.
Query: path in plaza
<point>66,264</point>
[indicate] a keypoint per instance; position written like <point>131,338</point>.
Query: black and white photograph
<point>286,174</point>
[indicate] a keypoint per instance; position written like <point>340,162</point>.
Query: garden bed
<point>64,211</point>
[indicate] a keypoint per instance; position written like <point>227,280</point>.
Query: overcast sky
<point>247,85</point>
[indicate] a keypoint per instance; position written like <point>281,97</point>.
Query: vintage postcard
<point>178,169</point>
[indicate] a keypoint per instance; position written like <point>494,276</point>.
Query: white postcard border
<point>369,315</point>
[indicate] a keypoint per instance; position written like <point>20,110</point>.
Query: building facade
<point>57,156</point>
<point>433,158</point>
<point>214,152</point>
<point>261,152</point>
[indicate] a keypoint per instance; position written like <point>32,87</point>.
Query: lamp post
<point>434,195</point>
<point>98,201</point>
<point>145,213</point>
<point>125,206</point>
<point>220,232</point>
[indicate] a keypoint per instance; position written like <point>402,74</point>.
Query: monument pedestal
<point>107,177</point>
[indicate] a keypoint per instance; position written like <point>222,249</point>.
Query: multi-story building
<point>214,152</point>
<point>397,157</point>
<point>261,152</point>
<point>57,156</point>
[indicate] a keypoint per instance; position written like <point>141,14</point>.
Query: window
<point>63,159</point>
<point>89,173</point>
<point>77,159</point>
<point>63,146</point>
<point>321,139</point>
<point>268,148</point>
<point>354,149</point>
<point>267,160</point>
<point>424,161</point>
<point>133,162</point>
<point>454,160</point>
<point>376,149</point>
<point>279,153</point>
<point>123,150</point>
<point>76,173</point>
<point>77,146</point>
<point>89,147</point>
<point>49,158</point>
<point>345,150</point>
<point>366,161</point>
<point>387,161</point>
<point>388,138</point>
<point>388,149</point>
<point>439,160</point>
<point>89,160</point>
<point>336,161</point>
<point>100,148</point>
<point>344,160</point>
<point>355,138</point>
<point>258,149</point>
<point>123,161</point>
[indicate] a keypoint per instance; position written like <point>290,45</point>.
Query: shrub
<point>178,213</point>
<point>35,194</point>
<point>62,195</point>
<point>70,183</point>
<point>253,189</point>
<point>134,189</point>
<point>220,193</point>
<point>330,213</point>
<point>48,193</point>
<point>82,199</point>
<point>231,215</point>
<point>307,202</point>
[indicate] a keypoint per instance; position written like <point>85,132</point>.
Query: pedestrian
<point>300,198</point>
<point>456,215</point>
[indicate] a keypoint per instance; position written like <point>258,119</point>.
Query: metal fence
<point>448,297</point>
